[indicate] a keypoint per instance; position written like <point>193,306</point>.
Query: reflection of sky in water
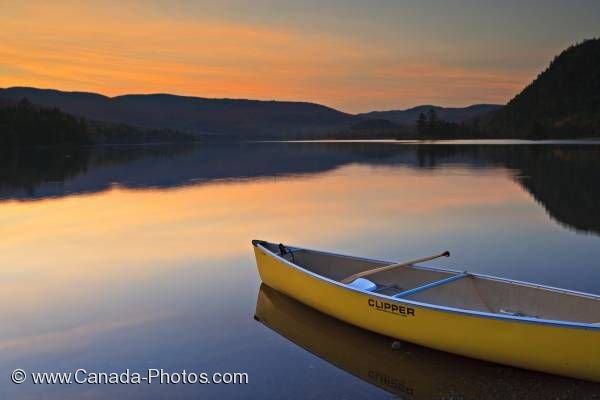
<point>166,278</point>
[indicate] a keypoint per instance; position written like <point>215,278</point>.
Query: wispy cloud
<point>114,50</point>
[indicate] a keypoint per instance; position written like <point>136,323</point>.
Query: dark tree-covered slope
<point>23,124</point>
<point>563,101</point>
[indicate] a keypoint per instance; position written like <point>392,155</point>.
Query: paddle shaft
<point>362,274</point>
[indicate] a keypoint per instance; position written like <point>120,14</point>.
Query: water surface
<point>140,257</point>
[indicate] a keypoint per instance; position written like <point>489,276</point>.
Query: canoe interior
<point>472,292</point>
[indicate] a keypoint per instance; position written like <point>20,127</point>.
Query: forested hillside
<point>563,101</point>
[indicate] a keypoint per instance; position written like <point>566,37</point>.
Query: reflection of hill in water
<point>411,372</point>
<point>21,174</point>
<point>567,183</point>
<point>564,179</point>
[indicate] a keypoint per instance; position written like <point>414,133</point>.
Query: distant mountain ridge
<point>224,117</point>
<point>450,114</point>
<point>562,102</point>
<point>191,114</point>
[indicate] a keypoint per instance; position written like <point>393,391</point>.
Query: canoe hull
<point>555,349</point>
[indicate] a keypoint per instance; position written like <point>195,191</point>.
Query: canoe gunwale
<point>456,271</point>
<point>482,314</point>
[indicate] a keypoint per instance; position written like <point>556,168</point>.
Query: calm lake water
<point>139,257</point>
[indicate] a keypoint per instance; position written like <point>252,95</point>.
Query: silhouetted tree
<point>422,125</point>
<point>432,120</point>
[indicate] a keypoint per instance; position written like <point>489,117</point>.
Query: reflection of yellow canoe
<point>412,372</point>
<point>509,322</point>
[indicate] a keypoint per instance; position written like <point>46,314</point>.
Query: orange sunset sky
<point>352,55</point>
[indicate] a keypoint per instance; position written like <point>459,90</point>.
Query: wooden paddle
<point>353,277</point>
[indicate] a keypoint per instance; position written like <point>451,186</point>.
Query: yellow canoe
<point>409,371</point>
<point>493,319</point>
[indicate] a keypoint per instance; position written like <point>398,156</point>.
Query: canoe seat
<point>363,284</point>
<point>516,313</point>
